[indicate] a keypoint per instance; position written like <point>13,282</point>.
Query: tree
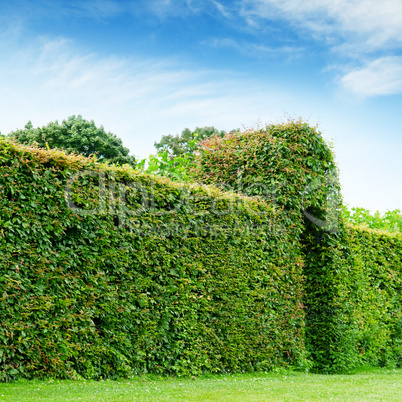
<point>175,153</point>
<point>76,135</point>
<point>187,141</point>
<point>390,221</point>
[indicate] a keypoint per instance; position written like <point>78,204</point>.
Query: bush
<point>391,221</point>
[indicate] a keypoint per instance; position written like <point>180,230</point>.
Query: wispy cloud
<point>353,30</point>
<point>283,52</point>
<point>382,76</point>
<point>373,23</point>
<point>222,9</point>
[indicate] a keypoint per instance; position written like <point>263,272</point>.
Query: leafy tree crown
<point>76,135</point>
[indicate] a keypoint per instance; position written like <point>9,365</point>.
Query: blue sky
<point>144,69</point>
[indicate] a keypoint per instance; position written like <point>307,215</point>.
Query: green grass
<point>369,384</point>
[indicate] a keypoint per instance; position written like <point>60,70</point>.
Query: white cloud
<point>374,24</point>
<point>222,9</point>
<point>256,50</point>
<point>356,30</point>
<point>382,76</point>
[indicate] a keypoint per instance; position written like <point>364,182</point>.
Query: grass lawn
<point>365,385</point>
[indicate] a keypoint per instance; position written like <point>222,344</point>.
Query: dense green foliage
<point>292,166</point>
<point>105,272</point>
<point>375,294</point>
<point>76,135</point>
<point>176,169</point>
<point>354,293</point>
<point>391,221</point>
<point>288,163</point>
<point>175,153</point>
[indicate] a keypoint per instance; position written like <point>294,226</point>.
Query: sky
<point>144,69</point>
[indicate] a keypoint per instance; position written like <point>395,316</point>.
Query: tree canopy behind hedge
<point>390,221</point>
<point>188,141</point>
<point>76,135</point>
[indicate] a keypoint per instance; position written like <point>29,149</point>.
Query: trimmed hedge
<point>331,332</point>
<point>378,295</point>
<point>106,272</point>
<point>291,165</point>
<point>354,298</point>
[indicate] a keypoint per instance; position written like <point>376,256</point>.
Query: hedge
<point>378,291</point>
<point>291,165</point>
<point>106,272</point>
<point>353,287</point>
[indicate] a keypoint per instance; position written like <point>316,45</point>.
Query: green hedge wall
<point>377,292</point>
<point>329,268</point>
<point>291,165</point>
<point>105,272</point>
<point>353,295</point>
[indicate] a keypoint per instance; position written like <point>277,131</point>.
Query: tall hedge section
<point>377,257</point>
<point>291,165</point>
<point>106,272</point>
